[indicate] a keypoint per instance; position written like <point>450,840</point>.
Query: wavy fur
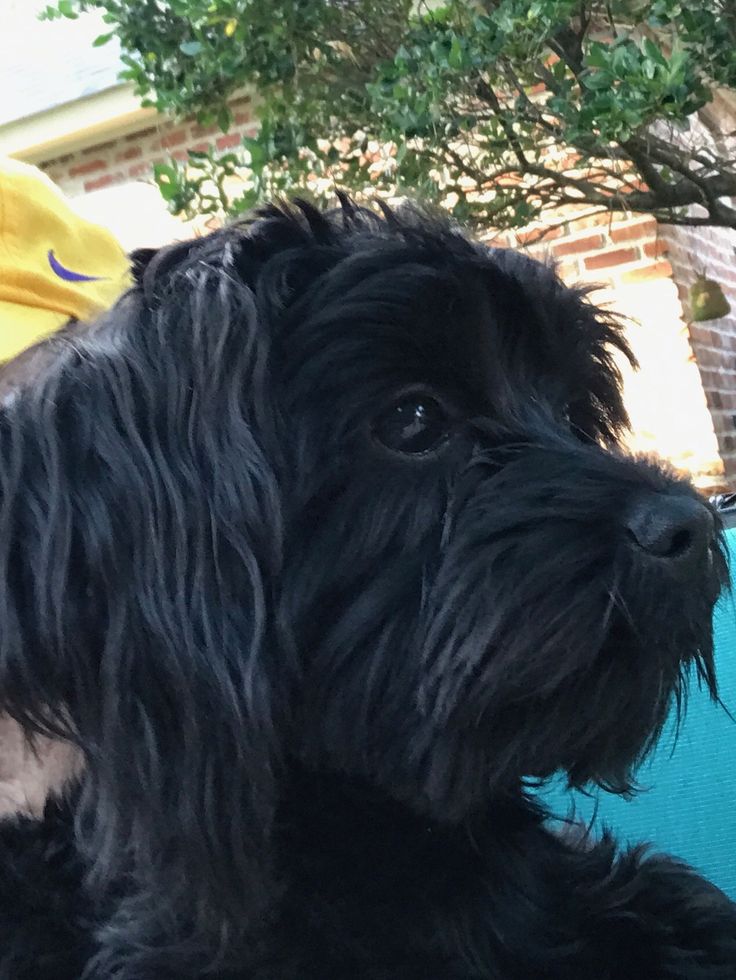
<point>289,654</point>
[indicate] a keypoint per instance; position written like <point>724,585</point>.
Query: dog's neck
<point>350,816</point>
<point>355,864</point>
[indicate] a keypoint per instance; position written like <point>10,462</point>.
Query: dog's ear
<point>140,532</point>
<point>139,260</point>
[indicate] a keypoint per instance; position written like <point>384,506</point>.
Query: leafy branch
<point>504,111</point>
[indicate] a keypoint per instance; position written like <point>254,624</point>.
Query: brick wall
<point>712,251</point>
<point>131,157</point>
<point>629,258</point>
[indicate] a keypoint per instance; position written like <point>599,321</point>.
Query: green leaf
<point>595,81</point>
<point>167,179</point>
<point>191,48</point>
<point>256,152</point>
<point>456,57</point>
<point>101,39</point>
<point>597,56</point>
<point>49,13</point>
<point>652,52</point>
<point>66,8</point>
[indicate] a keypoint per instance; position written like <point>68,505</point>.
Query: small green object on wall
<point>707,301</point>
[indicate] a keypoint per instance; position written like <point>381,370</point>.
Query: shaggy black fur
<point>319,545</point>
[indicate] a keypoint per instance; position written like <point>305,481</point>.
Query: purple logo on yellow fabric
<point>63,273</point>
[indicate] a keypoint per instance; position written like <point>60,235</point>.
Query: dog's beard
<point>552,645</point>
<point>532,640</point>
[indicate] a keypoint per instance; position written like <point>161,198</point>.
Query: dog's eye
<point>414,424</point>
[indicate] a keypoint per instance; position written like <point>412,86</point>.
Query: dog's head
<point>347,490</point>
<point>478,583</point>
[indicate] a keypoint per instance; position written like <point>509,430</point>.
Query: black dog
<point>320,546</point>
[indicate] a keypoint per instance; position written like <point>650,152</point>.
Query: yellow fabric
<point>45,247</point>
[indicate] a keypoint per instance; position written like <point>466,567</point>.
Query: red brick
<point>87,168</point>
<point>58,161</point>
<point>242,118</point>
<point>508,180</point>
<point>199,131</point>
<point>180,155</point>
<point>635,231</point>
<point>200,147</point>
<point>578,246</point>
<point>139,169</point>
<point>107,181</point>
<point>654,249</point>
<point>228,141</point>
<point>614,256</point>
<point>658,270</point>
<point>534,235</point>
<point>141,134</point>
<point>497,239</point>
<point>699,335</point>
<point>132,153</point>
<point>713,358</point>
<point>99,148</point>
<point>176,138</point>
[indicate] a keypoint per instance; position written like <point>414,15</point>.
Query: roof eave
<point>95,118</point>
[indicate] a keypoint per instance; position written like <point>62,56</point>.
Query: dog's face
<point>346,489</point>
<point>479,584</point>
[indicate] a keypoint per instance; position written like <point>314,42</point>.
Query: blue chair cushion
<point>688,806</point>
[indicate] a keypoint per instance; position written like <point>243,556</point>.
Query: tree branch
<point>486,92</point>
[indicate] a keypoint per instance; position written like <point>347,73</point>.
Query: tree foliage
<point>503,110</point>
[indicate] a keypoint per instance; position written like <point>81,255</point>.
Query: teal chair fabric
<point>688,806</point>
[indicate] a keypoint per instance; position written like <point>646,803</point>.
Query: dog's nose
<point>673,527</point>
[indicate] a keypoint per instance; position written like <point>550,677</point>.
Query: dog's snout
<point>674,527</point>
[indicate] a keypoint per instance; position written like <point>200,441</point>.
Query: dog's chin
<point>600,734</point>
<point>588,699</point>
<point>599,721</point>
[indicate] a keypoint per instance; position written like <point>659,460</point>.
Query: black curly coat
<point>319,545</point>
